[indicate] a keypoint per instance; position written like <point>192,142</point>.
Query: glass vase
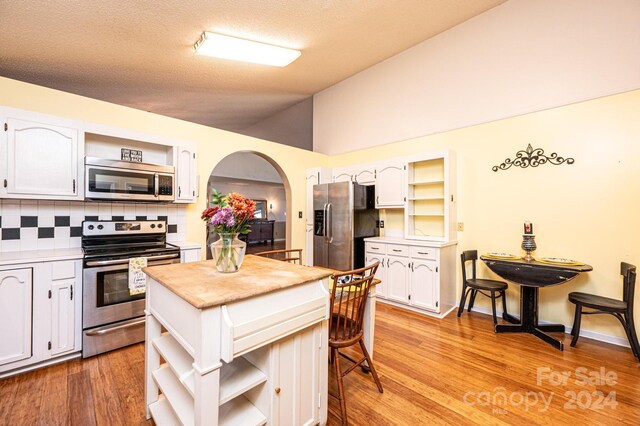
<point>228,252</point>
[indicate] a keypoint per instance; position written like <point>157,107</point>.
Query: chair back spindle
<point>348,298</point>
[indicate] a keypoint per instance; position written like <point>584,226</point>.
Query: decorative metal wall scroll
<point>532,158</point>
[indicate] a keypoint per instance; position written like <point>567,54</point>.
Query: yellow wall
<point>212,144</point>
<point>587,211</point>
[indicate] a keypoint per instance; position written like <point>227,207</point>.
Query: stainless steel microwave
<point>127,181</point>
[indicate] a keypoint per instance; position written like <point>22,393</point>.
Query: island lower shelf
<point>249,362</point>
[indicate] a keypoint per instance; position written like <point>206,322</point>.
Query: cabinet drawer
<point>255,322</point>
<point>423,253</point>
<point>375,248</point>
<point>395,250</point>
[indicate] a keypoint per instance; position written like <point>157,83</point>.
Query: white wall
<point>247,165</point>
<point>520,57</point>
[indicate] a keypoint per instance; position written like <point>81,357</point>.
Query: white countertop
<point>30,256</point>
<point>398,240</point>
<point>186,245</point>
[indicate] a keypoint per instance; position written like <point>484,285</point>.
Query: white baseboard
<point>40,365</point>
<point>443,313</point>
<point>601,337</point>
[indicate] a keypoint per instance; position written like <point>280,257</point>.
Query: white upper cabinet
<point>42,160</point>
<point>365,174</point>
<point>186,180</point>
<point>15,315</point>
<point>390,184</point>
<point>342,174</point>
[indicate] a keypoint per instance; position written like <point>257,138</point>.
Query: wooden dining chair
<point>348,298</point>
<point>472,286</point>
<point>621,309</point>
<point>285,255</point>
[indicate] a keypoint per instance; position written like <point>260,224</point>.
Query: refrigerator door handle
<point>329,231</point>
<point>324,222</point>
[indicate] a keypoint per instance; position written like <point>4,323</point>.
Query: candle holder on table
<point>528,245</point>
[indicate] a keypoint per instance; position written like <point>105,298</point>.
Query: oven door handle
<point>123,261</point>
<point>156,184</point>
<point>109,329</point>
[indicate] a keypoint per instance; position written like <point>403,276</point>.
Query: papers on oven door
<point>137,278</point>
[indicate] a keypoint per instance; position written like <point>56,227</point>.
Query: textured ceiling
<point>140,53</point>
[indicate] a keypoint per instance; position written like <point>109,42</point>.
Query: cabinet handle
<point>179,191</point>
<point>375,248</point>
<point>277,390</point>
<point>387,262</point>
<point>396,250</point>
<point>422,252</point>
<point>74,186</point>
<point>5,183</point>
<point>377,199</point>
<point>71,295</point>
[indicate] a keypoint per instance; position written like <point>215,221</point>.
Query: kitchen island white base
<point>260,360</point>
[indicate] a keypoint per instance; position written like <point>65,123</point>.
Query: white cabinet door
<point>296,391</point>
<point>342,174</point>
<point>423,285</point>
<point>186,176</point>
<point>397,278</point>
<point>189,255</point>
<point>15,315</point>
<point>365,175</point>
<point>42,160</point>
<point>371,258</point>
<point>62,316</point>
<point>390,185</point>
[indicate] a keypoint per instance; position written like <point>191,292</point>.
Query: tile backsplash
<point>42,225</point>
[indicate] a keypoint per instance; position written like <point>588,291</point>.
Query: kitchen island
<point>243,348</point>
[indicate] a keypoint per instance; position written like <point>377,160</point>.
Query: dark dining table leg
<point>529,319</point>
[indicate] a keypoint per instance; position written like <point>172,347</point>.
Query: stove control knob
<point>100,226</point>
<point>153,225</point>
<point>159,225</point>
<point>90,227</point>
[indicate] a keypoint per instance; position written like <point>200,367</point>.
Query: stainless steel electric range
<point>111,317</point>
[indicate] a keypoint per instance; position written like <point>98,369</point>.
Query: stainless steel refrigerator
<point>344,215</point>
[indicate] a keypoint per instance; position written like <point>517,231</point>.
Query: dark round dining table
<point>531,276</point>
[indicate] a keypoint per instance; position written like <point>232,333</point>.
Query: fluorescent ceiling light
<point>236,49</point>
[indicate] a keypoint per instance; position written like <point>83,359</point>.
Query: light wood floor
<point>433,372</point>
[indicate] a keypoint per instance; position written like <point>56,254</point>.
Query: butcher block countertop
<point>200,284</point>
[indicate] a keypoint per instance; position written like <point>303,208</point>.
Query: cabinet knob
<point>277,390</point>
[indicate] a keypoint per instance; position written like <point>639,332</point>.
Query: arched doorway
<point>260,178</point>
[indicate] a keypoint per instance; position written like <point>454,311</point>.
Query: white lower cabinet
<point>40,313</point>
<point>397,274</point>
<point>414,274</point>
<point>15,315</point>
<point>189,255</point>
<point>370,259</point>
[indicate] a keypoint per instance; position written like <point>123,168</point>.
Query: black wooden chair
<point>490,288</point>
<point>621,309</point>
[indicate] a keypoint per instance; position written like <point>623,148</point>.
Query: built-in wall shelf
<point>427,182</point>
<point>430,213</point>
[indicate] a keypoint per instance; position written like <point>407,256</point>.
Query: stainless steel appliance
<point>127,181</point>
<point>344,215</point>
<point>111,317</point>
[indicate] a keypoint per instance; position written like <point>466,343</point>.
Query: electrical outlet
<point>460,226</point>
<point>382,224</point>
<point>299,215</point>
